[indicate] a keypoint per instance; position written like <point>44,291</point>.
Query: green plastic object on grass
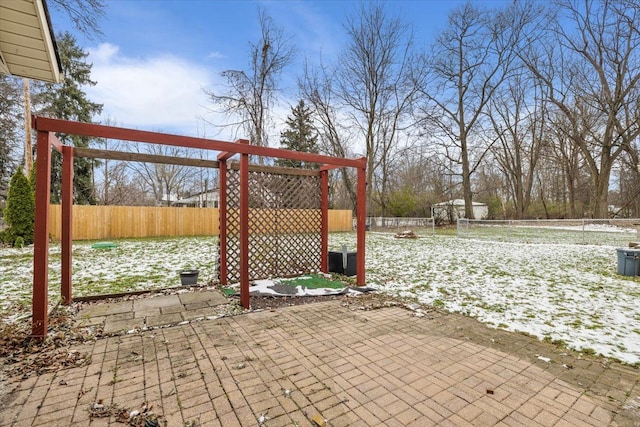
<point>104,245</point>
<point>313,281</point>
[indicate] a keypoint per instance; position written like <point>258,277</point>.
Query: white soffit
<point>27,45</point>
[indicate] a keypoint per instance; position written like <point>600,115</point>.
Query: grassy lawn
<point>135,264</point>
<point>590,234</point>
<point>559,292</point>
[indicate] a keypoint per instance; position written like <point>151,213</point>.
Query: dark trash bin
<point>336,263</point>
<point>628,262</point>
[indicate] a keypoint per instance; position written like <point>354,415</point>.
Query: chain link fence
<point>397,224</point>
<point>610,232</point>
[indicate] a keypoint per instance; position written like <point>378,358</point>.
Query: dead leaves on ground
<point>22,355</point>
<point>142,417</point>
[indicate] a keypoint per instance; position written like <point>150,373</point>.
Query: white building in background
<point>209,199</point>
<point>454,209</point>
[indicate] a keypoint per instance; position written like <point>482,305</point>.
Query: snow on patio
<point>568,293</point>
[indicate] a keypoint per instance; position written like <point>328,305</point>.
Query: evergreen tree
<point>20,210</point>
<point>300,135</point>
<point>69,102</point>
<point>11,111</point>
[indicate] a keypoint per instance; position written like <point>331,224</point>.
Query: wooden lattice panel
<point>284,225</point>
<point>233,225</point>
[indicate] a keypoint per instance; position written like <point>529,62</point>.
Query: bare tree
<point>518,118</point>
<point>417,182</point>
<point>367,95</point>
<point>628,204</point>
<point>316,87</point>
<point>250,94</point>
<point>565,156</point>
<point>377,81</point>
<point>102,172</point>
<point>122,189</point>
<point>592,71</point>
<point>84,14</point>
<point>470,60</point>
<point>163,180</point>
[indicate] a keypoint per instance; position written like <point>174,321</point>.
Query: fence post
<point>433,221</point>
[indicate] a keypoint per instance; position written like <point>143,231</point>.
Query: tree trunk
<point>466,178</point>
<point>28,150</point>
<point>600,208</point>
<point>370,163</point>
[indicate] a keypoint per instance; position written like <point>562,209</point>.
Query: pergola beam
<point>46,140</point>
<point>92,153</point>
<point>102,131</point>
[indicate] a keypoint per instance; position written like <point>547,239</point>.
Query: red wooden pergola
<point>47,140</point>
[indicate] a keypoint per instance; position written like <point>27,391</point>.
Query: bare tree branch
<point>251,94</point>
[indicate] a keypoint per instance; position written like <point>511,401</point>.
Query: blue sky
<point>157,56</point>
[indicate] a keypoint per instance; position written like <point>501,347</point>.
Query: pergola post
<point>47,140</point>
<point>223,269</point>
<point>67,221</point>
<point>361,223</point>
<point>222,216</point>
<point>40,300</point>
<point>244,230</point>
<point>324,221</point>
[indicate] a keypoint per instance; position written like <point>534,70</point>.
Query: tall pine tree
<point>300,135</point>
<point>10,122</point>
<point>68,101</point>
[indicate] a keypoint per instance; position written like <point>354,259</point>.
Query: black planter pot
<point>189,277</point>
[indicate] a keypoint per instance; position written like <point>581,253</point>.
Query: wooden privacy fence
<point>114,222</point>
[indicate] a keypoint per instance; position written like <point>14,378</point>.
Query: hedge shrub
<point>20,210</point>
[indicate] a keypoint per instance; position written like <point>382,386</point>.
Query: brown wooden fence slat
<point>118,222</point>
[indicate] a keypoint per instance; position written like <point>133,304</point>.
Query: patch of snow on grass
<point>560,292</point>
<point>136,264</point>
<point>567,293</point>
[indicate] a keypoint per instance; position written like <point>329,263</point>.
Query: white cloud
<point>164,93</point>
<point>216,55</point>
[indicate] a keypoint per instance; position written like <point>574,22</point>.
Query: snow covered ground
<point>567,293</point>
<point>559,231</point>
<point>559,292</point>
<point>133,265</point>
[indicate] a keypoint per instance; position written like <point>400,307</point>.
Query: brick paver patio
<point>348,366</point>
